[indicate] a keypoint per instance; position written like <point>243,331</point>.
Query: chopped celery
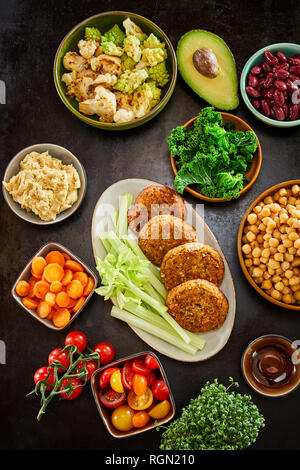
<point>126,200</point>
<point>131,242</point>
<point>152,329</point>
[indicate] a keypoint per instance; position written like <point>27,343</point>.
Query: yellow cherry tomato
<point>140,402</point>
<point>121,418</point>
<point>161,410</point>
<point>139,384</point>
<point>140,419</point>
<point>116,382</point>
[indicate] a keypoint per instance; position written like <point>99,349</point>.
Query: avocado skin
<point>231,92</point>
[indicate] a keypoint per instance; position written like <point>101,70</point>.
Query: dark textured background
<point>30,32</point>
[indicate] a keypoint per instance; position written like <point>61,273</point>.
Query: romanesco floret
<point>159,74</point>
<point>110,48</point>
<point>130,80</point>
<point>131,29</point>
<point>154,56</point>
<point>92,34</point>
<point>115,35</point>
<point>156,92</point>
<point>152,42</point>
<point>132,47</point>
<point>127,62</point>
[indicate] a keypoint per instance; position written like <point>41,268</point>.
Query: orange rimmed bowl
<point>268,192</point>
<point>251,174</point>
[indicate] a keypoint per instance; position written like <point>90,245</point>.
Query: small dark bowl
<point>26,273</point>
<point>105,413</point>
<point>264,390</point>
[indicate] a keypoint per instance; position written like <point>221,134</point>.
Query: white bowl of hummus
<point>44,184</point>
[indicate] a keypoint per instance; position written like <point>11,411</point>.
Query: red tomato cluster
<point>77,338</point>
<point>132,391</point>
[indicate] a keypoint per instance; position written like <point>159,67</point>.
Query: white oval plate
<point>215,339</point>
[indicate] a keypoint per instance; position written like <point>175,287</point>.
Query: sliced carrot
<point>40,289</point>
<point>68,276</point>
<point>72,303</point>
<point>62,299</point>
<point>75,289</point>
<point>73,265</point>
<point>89,287</point>
<point>36,276</point>
<point>79,304</point>
<point>29,303</point>
<point>38,264</point>
<point>22,288</point>
<point>55,257</point>
<point>61,317</point>
<point>30,293</point>
<point>81,277</point>
<point>32,280</point>
<point>53,272</point>
<point>50,316</point>
<point>43,309</point>
<point>66,256</point>
<point>55,286</point>
<point>50,298</point>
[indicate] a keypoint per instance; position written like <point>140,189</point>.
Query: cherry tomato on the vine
<point>91,366</point>
<point>62,357</point>
<point>76,383</point>
<point>78,339</point>
<point>42,373</point>
<point>151,362</point>
<point>160,390</point>
<point>105,376</point>
<point>106,352</point>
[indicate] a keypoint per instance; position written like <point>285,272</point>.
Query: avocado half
<point>221,91</point>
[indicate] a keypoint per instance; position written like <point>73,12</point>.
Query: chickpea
<point>295,189</point>
<point>276,294</point>
<point>296,224</point>
<point>288,273</point>
<point>257,209</point>
<point>250,237</point>
<point>248,262</point>
<point>266,253</point>
<point>253,228</point>
<point>279,286</point>
<point>286,290</point>
<point>262,227</point>
<point>256,252</point>
<point>257,272</point>
<point>252,218</point>
<point>275,208</point>
<point>273,264</point>
<point>256,261</point>
<point>287,243</point>
<point>267,236</point>
<point>283,200</point>
<point>266,275</point>
<point>288,257</point>
<point>282,192</point>
<point>281,249</point>
<point>263,260</point>
<point>297,295</point>
<point>268,200</point>
<point>285,265</point>
<point>266,285</point>
<point>294,281</point>
<point>274,242</point>
<point>246,249</point>
<point>297,243</point>
<point>260,238</point>
<point>292,200</point>
<point>265,212</point>
<point>278,257</point>
<point>283,218</point>
<point>287,298</point>
<point>292,250</point>
<point>296,262</point>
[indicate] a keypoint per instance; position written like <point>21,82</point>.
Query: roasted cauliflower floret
<point>132,29</point>
<point>123,115</point>
<point>104,104</point>
<point>106,64</point>
<point>81,88</point>
<point>144,99</point>
<point>123,100</point>
<point>87,48</point>
<point>107,80</point>
<point>74,61</point>
<point>132,47</point>
<point>68,78</point>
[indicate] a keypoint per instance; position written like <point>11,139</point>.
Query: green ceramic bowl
<point>289,50</point>
<point>104,21</point>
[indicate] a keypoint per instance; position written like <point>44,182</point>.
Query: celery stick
<point>153,330</point>
<point>131,242</point>
<point>122,224</point>
<point>156,320</point>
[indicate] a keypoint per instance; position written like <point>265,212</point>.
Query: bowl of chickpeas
<point>269,244</point>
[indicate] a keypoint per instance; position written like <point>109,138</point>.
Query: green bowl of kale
<point>215,156</point>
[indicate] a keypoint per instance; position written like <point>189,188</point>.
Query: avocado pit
<point>206,62</point>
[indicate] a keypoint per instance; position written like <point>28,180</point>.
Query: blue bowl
<point>289,50</point>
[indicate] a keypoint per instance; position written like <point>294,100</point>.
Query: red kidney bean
<point>282,74</point>
<point>265,108</point>
<point>283,66</point>
<point>280,56</point>
<point>270,58</point>
<point>271,102</point>
<point>294,112</point>
<point>285,108</point>
<point>272,113</point>
<point>260,84</point>
<point>293,77</point>
<point>270,92</point>
<point>297,56</point>
<point>266,67</point>
<point>295,61</point>
<point>252,92</point>
<point>256,104</point>
<point>280,85</point>
<point>295,70</point>
<point>255,70</point>
<point>269,80</point>
<point>279,97</point>
<point>279,112</point>
<point>290,86</point>
<point>252,80</point>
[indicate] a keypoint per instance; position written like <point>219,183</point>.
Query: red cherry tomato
<point>151,378</point>
<point>105,351</point>
<point>160,390</point>
<point>42,373</point>
<point>111,399</point>
<point>127,375</point>
<point>151,362</point>
<point>139,384</point>
<point>138,367</point>
<point>106,375</point>
<point>75,393</point>
<point>78,339</point>
<point>62,357</point>
<point>91,366</point>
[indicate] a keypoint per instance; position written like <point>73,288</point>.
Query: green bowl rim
<point>136,122</point>
<point>248,103</point>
